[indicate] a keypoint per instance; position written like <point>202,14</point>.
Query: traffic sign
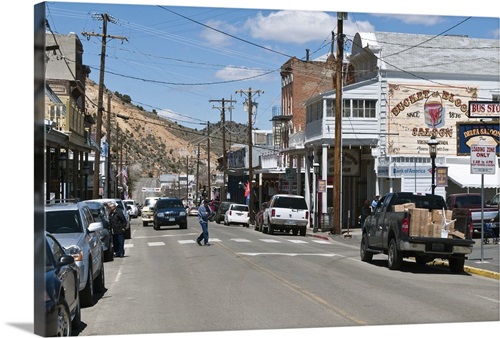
<point>146,189</point>
<point>482,159</point>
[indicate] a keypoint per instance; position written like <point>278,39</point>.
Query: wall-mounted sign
<point>321,185</point>
<point>484,109</point>
<point>441,176</point>
<point>470,133</point>
<point>351,159</point>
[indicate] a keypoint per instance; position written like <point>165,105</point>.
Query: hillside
<point>153,145</point>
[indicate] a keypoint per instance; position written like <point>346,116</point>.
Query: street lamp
<point>316,174</point>
<point>432,143</point>
<point>86,175</point>
<point>62,165</point>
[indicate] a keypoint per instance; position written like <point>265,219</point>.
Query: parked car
<point>237,214</point>
<point>494,202</point>
<point>100,212</point>
<point>169,211</point>
<point>62,279</point>
<point>221,210</point>
<point>148,210</point>
<point>132,209</point>
<point>121,206</point>
<point>73,225</point>
<point>192,211</point>
<point>259,217</point>
<point>286,212</point>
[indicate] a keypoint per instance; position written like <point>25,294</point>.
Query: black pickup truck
<point>391,230</point>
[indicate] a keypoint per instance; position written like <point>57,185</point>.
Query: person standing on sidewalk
<point>365,212</point>
<point>204,213</point>
<point>118,225</point>
<point>375,202</point>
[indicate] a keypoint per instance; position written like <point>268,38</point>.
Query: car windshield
<point>163,204</point>
<point>60,222</point>
<point>290,202</point>
<point>150,203</point>
<point>240,207</point>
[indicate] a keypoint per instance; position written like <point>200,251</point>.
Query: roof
<point>449,54</point>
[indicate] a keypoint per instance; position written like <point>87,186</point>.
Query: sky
<point>182,61</point>
<point>155,42</point>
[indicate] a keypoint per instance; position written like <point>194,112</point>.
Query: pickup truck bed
<point>409,225</point>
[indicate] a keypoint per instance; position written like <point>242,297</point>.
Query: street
<point>247,280</point>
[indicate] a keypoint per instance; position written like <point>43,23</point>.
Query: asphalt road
<point>247,280</point>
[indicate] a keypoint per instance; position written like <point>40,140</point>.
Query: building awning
<point>460,174</point>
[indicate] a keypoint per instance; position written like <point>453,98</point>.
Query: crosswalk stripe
<point>128,245</point>
<point>241,240</point>
<point>269,240</point>
<point>156,243</point>
<point>321,241</point>
<point>297,241</point>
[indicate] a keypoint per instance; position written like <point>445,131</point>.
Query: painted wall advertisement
<point>416,112</point>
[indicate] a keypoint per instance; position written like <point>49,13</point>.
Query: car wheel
<point>295,232</point>
<point>100,285</point>
<point>271,229</point>
<point>87,294</point>
<point>155,226</point>
<point>183,225</point>
<point>363,249</point>
<point>63,319</point>
<point>109,254</point>
<point>75,324</point>
<point>456,265</point>
<point>394,259</point>
<point>144,223</point>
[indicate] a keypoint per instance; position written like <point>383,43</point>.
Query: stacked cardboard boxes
<point>425,223</point>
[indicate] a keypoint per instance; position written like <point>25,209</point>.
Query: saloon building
<point>399,90</point>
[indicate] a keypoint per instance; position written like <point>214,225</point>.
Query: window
<point>360,108</point>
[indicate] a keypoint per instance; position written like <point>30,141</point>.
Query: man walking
<point>204,213</point>
<point>118,225</point>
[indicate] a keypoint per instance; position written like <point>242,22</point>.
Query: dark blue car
<point>62,278</point>
<point>168,212</point>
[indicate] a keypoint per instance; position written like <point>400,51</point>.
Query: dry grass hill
<point>152,145</point>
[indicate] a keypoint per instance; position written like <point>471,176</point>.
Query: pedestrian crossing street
<point>155,243</point>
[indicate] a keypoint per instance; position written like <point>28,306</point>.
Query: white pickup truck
<point>286,212</point>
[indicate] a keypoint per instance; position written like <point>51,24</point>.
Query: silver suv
<point>73,225</point>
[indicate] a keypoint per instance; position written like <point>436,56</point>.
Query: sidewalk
<point>484,260</point>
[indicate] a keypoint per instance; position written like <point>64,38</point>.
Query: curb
<point>469,269</point>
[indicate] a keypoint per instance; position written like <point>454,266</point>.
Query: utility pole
<point>208,154</point>
<point>198,177</point>
<point>187,179</point>
<point>337,164</point>
<point>223,193</point>
<point>97,160</point>
<point>108,159</point>
<point>250,150</point>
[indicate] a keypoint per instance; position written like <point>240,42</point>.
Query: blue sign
<point>472,133</point>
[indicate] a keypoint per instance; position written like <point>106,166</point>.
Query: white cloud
<point>233,73</point>
<point>217,38</point>
<point>295,27</point>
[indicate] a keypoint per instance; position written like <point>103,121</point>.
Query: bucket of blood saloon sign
<point>417,112</point>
